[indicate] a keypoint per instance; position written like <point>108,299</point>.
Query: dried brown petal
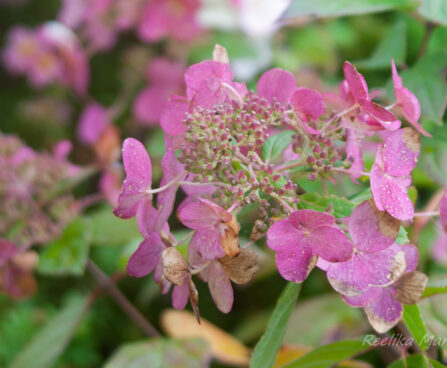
<point>194,299</point>
<point>412,139</point>
<point>175,267</point>
<point>220,54</point>
<point>397,267</point>
<point>241,269</point>
<point>230,240</point>
<point>410,286</point>
<point>388,225</point>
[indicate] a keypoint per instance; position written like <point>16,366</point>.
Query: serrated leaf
<point>275,144</point>
<point>393,46</point>
<point>413,319</point>
<point>49,343</point>
<point>328,355</point>
<point>331,8</point>
<point>161,353</point>
<point>342,207</point>
<point>67,255</point>
<point>434,10</point>
<point>268,346</point>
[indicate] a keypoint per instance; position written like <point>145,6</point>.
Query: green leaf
<point>425,79</point>
<point>436,364</point>
<point>434,287</point>
<point>393,45</point>
<point>434,10</point>
<point>328,355</point>
<point>111,230</point>
<point>341,206</point>
<point>331,8</point>
<point>68,254</point>
<point>267,348</point>
<point>361,196</point>
<point>413,361</point>
<point>275,144</point>
<point>402,237</point>
<point>413,319</point>
<point>160,353</point>
<point>49,343</point>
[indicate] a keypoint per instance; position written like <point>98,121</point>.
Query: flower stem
<point>426,214</point>
<point>103,280</point>
<point>337,116</point>
<point>167,185</point>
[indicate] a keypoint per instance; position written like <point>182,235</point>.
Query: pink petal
<point>208,243</point>
<point>443,211</point>
<point>411,256</point>
<point>401,151</point>
<point>377,177</point>
<point>165,200</point>
<point>354,153</point>
<point>147,217</point>
<point>349,278</point>
<point>310,219</point>
<point>173,114</point>
<point>137,165</point>
<point>384,312</point>
<point>146,257</point>
<point>363,299</point>
<point>203,214</point>
<point>382,115</point>
<point>282,234</point>
<point>395,200</point>
<point>153,25</point>
<point>93,121</point>
<point>276,83</point>
<point>293,263</point>
<point>308,104</point>
<point>180,295</point>
<point>331,244</point>
<point>7,251</point>
<point>355,81</point>
<point>369,232</point>
<point>198,190</point>
<point>397,80</point>
<point>220,287</point>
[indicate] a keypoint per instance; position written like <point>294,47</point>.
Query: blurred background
<point>79,76</point>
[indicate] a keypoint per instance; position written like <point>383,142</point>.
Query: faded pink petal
<point>365,231</point>
<point>349,278</point>
<point>173,114</point>
<point>385,308</point>
<point>220,287</point>
<point>308,104</point>
<point>355,81</point>
<point>293,263</point>
<point>331,243</point>
<point>148,105</point>
<point>203,214</point>
<point>208,243</point>
<point>93,121</point>
<point>148,255</point>
<point>400,152</point>
<point>411,256</point>
<point>443,211</point>
<point>180,294</point>
<point>282,234</point>
<point>276,83</point>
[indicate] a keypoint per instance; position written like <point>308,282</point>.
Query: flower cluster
<point>35,207</point>
<point>101,21</point>
<point>228,147</point>
<point>48,54</point>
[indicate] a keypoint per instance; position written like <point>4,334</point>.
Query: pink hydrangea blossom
<point>390,175</point>
<point>174,18</point>
<point>22,46</point>
<point>300,238</point>
<point>407,102</point>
